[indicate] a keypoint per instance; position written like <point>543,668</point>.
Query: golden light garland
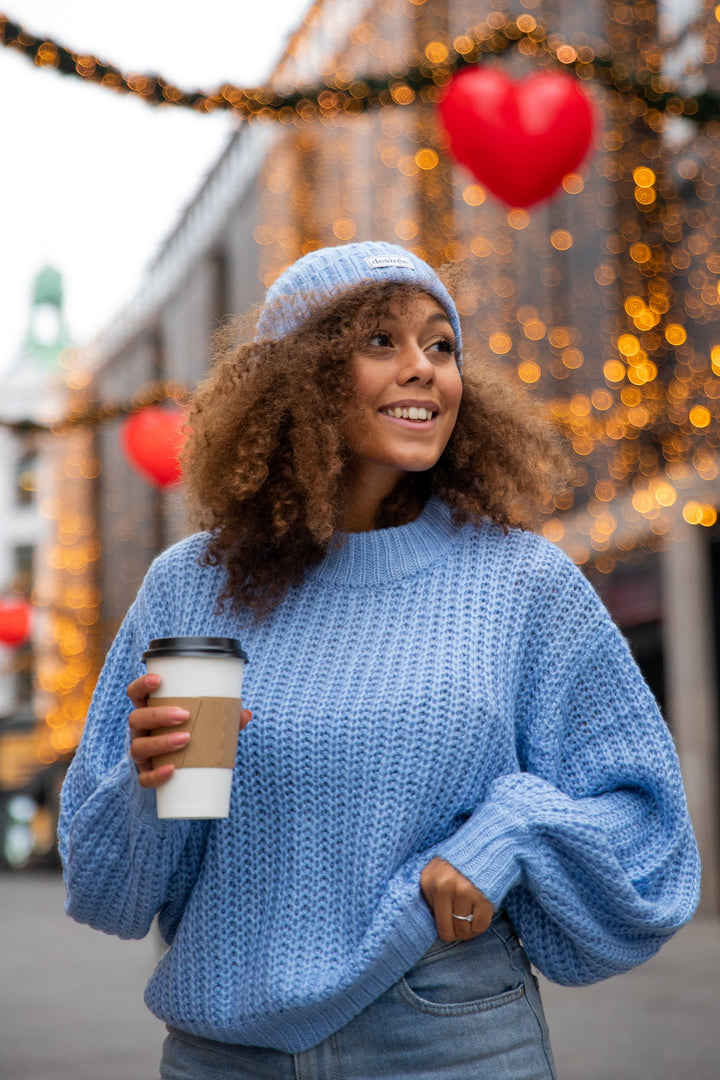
<point>90,414</point>
<point>352,95</point>
<point>68,601</point>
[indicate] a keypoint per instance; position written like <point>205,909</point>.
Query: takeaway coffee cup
<point>203,675</point>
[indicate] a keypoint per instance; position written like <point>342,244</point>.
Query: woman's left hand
<point>447,893</point>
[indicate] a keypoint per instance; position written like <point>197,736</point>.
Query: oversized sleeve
<point>588,845</point>
<point>120,864</point>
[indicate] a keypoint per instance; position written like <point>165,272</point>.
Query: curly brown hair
<point>266,466</point>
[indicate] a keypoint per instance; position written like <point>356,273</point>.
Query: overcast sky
<point>91,181</point>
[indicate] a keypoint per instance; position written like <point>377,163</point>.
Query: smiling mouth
<point>416,413</point>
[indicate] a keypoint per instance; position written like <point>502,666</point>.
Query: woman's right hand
<point>146,718</point>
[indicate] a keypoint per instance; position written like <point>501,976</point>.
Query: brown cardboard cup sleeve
<point>213,725</point>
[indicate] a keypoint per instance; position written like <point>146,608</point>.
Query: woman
<point>451,747</point>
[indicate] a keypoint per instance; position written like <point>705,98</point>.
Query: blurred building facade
<point>31,396</point>
<point>603,302</point>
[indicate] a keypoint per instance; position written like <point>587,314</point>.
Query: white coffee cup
<point>203,675</point>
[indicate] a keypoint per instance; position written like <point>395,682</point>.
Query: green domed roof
<point>49,287</point>
<point>47,334</point>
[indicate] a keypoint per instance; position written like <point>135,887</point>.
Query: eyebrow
<point>437,316</point>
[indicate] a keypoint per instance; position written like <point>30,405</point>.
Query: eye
<point>381,340</point>
<point>443,345</point>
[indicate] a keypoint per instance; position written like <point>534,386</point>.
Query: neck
<point>367,489</point>
<point>399,505</point>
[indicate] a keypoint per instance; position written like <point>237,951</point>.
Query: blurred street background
<point>71,1003</point>
<point>165,163</point>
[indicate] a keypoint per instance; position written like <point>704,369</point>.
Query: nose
<point>415,366</point>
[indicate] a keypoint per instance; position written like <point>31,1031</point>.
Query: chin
<point>421,466</point>
<point>419,462</point>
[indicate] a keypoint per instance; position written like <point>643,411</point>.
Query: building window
<point>24,560</point>
<point>220,299</point>
<point>26,478</point>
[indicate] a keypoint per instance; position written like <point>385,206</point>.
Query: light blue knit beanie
<point>331,270</point>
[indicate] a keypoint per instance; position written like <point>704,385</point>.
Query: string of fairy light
<point>95,413</point>
<point>68,661</point>
<point>355,94</point>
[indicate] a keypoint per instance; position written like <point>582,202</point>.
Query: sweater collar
<point>382,555</point>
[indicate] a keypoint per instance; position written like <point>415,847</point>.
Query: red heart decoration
<point>15,617</point>
<point>152,439</point>
<point>518,138</point>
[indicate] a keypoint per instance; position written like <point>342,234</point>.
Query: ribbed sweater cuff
<point>140,800</point>
<point>487,851</point>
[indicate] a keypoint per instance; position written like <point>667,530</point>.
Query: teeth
<point>412,413</point>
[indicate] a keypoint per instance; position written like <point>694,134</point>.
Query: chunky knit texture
<point>428,691</point>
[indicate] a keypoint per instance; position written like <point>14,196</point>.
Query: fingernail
<point>178,715</point>
<point>179,738</point>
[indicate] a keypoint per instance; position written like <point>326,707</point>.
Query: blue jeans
<point>468,1010</point>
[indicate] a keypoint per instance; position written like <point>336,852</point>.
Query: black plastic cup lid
<point>195,646</point>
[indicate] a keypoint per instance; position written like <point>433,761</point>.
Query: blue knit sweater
<point>427,691</point>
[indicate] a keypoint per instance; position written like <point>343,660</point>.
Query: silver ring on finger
<point>463,918</point>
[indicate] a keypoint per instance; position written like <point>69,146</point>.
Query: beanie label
<point>377,262</point>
